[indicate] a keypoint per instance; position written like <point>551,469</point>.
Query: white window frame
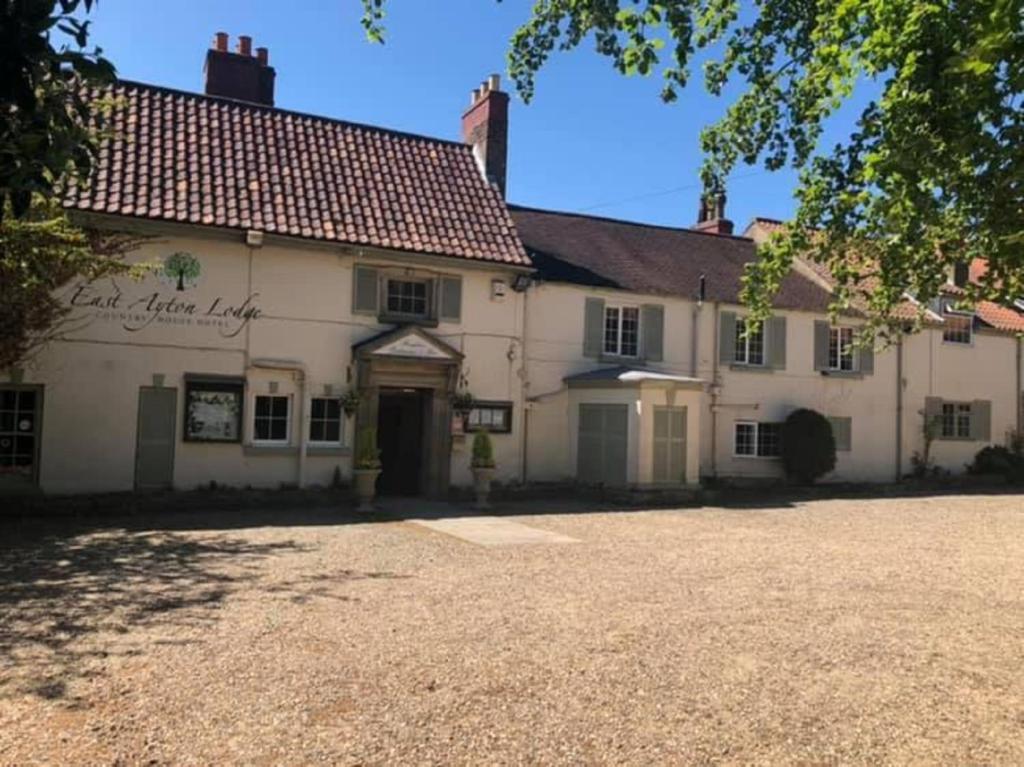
<point>341,425</point>
<point>428,309</point>
<point>967,317</point>
<point>620,309</point>
<point>287,423</point>
<point>958,410</point>
<point>743,339</point>
<point>842,346</point>
<point>756,440</point>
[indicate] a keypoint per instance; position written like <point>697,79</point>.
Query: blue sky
<point>592,140</point>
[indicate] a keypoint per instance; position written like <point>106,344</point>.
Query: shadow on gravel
<point>61,586</point>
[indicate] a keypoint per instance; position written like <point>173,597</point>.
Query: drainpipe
<point>1017,393</point>
<point>899,406</point>
<point>714,393</point>
<point>694,327</point>
<point>300,370</point>
<point>524,383</point>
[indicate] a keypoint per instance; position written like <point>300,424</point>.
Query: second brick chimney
<point>711,217</point>
<point>485,126</point>
<point>239,75</point>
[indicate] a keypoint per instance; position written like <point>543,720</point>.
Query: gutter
<point>300,370</point>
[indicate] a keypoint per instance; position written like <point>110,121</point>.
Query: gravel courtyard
<point>849,631</point>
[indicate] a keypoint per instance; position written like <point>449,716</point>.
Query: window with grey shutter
<point>842,427</point>
<point>365,293</point>
<point>727,338</point>
<point>821,337</point>
<point>652,324</point>
<point>776,340</point>
<point>933,415</point>
<point>451,299</point>
<point>669,459</point>
<point>593,327</point>
<point>981,420</point>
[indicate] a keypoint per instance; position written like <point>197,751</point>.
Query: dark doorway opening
<point>400,418</point>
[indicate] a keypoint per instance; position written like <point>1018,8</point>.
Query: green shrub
<point>996,459</point>
<point>808,447</point>
<point>367,453</point>
<point>483,451</point>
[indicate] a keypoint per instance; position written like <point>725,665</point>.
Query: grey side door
<point>602,444</point>
<point>154,447</point>
<point>670,444</point>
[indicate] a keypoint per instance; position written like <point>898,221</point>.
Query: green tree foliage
<point>40,253</point>
<point>808,447</point>
<point>47,126</point>
<point>933,173</point>
<point>483,451</point>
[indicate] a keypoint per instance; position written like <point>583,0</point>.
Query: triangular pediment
<point>409,343</point>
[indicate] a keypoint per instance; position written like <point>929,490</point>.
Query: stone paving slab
<point>492,531</point>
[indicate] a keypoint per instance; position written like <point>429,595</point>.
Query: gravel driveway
<point>853,631</point>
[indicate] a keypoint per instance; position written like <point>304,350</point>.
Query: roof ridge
<point>627,222</point>
<point>293,112</point>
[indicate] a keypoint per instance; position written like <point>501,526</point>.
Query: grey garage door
<point>601,450</point>
<point>154,450</point>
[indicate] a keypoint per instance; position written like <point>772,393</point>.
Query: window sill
<point>618,359</point>
<point>407,319</point>
<point>256,449</point>
<point>758,457</point>
<point>960,344</point>
<point>325,450</point>
<point>745,368</point>
<point>842,373</point>
<point>940,438</point>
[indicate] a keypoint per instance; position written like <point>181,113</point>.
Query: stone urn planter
<point>482,476</point>
<point>482,466</point>
<point>366,469</point>
<point>365,482</point>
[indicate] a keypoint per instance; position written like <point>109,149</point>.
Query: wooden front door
<point>400,437</point>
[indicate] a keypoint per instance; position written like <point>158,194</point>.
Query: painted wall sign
<point>412,346</point>
<point>172,304</point>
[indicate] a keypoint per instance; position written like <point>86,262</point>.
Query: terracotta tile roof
<point>644,258</point>
<point>185,157</point>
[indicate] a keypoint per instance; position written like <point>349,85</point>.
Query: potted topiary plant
<point>350,402</point>
<point>366,468</point>
<point>482,465</point>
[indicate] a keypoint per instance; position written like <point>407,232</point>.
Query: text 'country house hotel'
<point>305,259</point>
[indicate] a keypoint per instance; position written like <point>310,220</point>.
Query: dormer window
<point>957,328</point>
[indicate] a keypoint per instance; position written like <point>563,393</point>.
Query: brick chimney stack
<point>485,126</point>
<point>711,216</point>
<point>239,75</point>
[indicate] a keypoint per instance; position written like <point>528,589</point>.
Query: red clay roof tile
<point>198,159</point>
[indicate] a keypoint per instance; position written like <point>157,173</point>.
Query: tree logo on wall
<point>180,270</point>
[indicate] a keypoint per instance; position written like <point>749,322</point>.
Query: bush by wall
<point>808,447</point>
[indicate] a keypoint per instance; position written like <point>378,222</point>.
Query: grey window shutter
<point>981,420</point>
<point>821,332</point>
<point>727,338</point>
<point>842,427</point>
<point>867,360</point>
<point>653,322</point>
<point>776,338</point>
<point>933,414</point>
<point>365,293</point>
<point>593,327</point>
<point>451,299</point>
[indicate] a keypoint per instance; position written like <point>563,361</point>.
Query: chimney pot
<point>239,75</point>
<point>485,128</point>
